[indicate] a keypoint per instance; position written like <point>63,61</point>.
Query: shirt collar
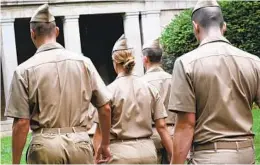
<point>49,46</point>
<point>154,69</point>
<point>211,39</point>
<point>122,74</point>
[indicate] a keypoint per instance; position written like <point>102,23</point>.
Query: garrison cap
<point>121,44</point>
<point>42,14</point>
<point>205,3</point>
<point>152,44</point>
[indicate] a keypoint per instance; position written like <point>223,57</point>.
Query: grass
<point>6,149</point>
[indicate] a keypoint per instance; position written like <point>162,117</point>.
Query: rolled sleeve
<point>18,102</point>
<point>100,93</point>
<point>182,96</point>
<point>159,110</point>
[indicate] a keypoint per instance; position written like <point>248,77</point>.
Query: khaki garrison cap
<point>152,44</point>
<point>42,14</point>
<point>205,3</point>
<point>121,44</point>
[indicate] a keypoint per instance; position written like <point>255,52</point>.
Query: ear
<point>145,59</point>
<point>33,35</point>
<point>57,31</point>
<point>195,27</point>
<point>196,30</point>
<point>224,28</point>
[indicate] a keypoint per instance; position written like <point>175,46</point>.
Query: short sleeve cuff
<point>174,108</point>
<point>14,114</point>
<point>102,102</point>
<point>160,116</point>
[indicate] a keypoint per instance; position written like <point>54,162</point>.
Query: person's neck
<point>44,41</point>
<point>152,65</point>
<point>212,32</point>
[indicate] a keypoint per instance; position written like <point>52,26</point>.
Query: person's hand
<point>103,154</point>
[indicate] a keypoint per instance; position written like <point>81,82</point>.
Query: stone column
<point>133,35</point>
<point>71,33</point>
<point>151,26</point>
<point>9,55</point>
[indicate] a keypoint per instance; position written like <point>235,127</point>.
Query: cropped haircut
<point>42,28</point>
<point>208,17</point>
<point>154,55</point>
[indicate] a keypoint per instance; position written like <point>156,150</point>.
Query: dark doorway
<point>24,45</point>
<point>98,35</point>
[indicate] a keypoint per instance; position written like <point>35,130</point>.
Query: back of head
<point>152,49</point>
<point>122,54</point>
<point>43,22</point>
<point>207,14</point>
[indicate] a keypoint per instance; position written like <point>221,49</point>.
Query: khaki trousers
<point>133,152</point>
<point>162,155</point>
<point>241,156</point>
<point>68,148</point>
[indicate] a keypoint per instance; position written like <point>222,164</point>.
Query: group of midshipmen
<point>200,114</point>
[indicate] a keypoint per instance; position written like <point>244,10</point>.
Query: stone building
<point>90,27</point>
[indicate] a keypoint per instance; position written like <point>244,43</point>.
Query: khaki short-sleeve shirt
<point>218,82</point>
<point>135,104</point>
<point>161,80</point>
<point>54,89</point>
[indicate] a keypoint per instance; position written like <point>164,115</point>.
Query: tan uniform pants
<point>157,142</point>
<point>241,156</point>
<point>133,152</point>
<point>68,148</point>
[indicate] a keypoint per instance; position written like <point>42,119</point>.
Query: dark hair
<point>154,55</point>
<point>42,28</point>
<point>208,17</point>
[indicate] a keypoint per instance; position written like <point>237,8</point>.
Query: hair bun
<point>129,64</point>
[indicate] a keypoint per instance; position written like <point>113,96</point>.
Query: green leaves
<point>243,30</point>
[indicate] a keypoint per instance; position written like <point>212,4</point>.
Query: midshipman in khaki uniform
<point>161,80</point>
<point>213,89</point>
<point>135,104</point>
<point>51,93</point>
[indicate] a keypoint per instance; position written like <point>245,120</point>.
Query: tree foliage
<point>243,30</point>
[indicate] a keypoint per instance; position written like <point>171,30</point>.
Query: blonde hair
<point>125,58</point>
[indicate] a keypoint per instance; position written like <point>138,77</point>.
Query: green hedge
<point>243,30</point>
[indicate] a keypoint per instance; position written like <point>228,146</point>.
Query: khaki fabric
<point>205,3</point>
<point>70,148</point>
<point>161,80</point>
<point>241,156</point>
<point>121,44</point>
<point>133,152</point>
<point>218,82</point>
<point>54,89</point>
<point>42,14</point>
<point>158,145</point>
<point>92,114</point>
<point>135,104</point>
<point>152,44</point>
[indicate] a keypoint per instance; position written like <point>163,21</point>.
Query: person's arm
<point>101,98</point>
<point>19,135</point>
<point>166,139</point>
<point>183,136</point>
<point>97,138</point>
<point>103,151</point>
<point>17,107</point>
